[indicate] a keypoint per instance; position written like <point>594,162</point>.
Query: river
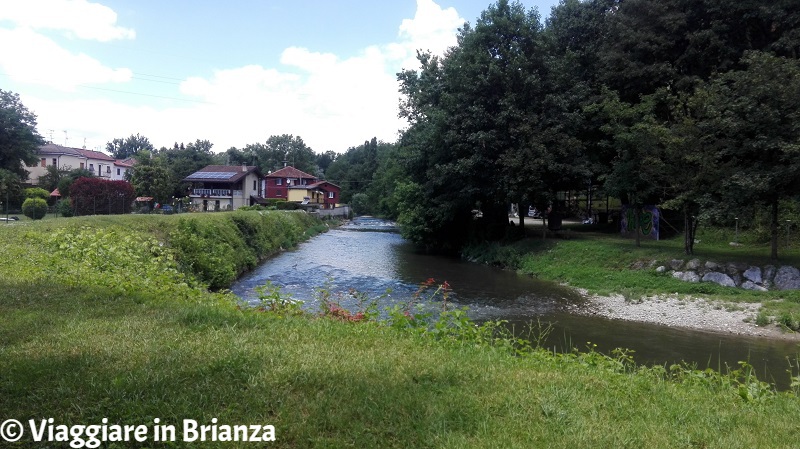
<point>367,256</point>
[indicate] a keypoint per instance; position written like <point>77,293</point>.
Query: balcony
<point>212,193</point>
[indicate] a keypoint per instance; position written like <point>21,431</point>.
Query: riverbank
<point>104,321</point>
<point>620,280</point>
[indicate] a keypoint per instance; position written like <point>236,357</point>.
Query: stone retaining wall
<point>734,274</point>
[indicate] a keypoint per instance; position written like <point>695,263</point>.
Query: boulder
<point>753,274</point>
<point>693,264</point>
<point>769,274</point>
<point>719,278</point>
<point>750,285</point>
<point>735,267</point>
<point>686,276</point>
<point>713,266</point>
<point>675,264</point>
<point>661,269</point>
<point>787,278</point>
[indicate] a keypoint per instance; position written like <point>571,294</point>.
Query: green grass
<point>604,264</point>
<point>78,347</point>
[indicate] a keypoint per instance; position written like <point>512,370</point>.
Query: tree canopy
<point>19,139</point>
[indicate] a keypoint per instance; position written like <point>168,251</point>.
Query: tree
<point>752,122</point>
<point>151,178</point>
<point>282,150</point>
<point>52,176</point>
<point>128,147</point>
<point>94,196</point>
<point>19,140</point>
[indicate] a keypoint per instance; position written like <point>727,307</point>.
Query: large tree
<point>752,122</point>
<point>19,140</point>
<point>128,147</point>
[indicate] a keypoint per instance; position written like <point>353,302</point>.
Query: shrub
<point>35,208</point>
<point>37,192</point>
<point>64,207</point>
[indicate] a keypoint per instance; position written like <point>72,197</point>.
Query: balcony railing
<point>216,192</point>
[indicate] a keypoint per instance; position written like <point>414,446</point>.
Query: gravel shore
<point>684,311</point>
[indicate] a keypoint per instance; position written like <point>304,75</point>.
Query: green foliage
<point>93,196</point>
<point>19,140</point>
<point>64,207</point>
<point>128,147</point>
<point>34,208</point>
<point>275,302</point>
<point>37,192</point>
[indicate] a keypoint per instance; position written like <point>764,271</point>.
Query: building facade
<point>225,187</point>
<point>67,158</point>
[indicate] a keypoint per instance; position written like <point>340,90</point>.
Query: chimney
<point>244,168</point>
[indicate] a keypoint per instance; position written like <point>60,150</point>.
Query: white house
<point>225,187</point>
<point>101,164</point>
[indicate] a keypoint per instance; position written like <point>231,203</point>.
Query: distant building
<point>100,164</point>
<point>225,187</point>
<point>293,185</point>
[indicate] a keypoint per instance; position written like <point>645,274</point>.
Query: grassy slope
<point>81,350</point>
<point>605,261</point>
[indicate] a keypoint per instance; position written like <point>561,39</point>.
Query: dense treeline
<point>690,104</point>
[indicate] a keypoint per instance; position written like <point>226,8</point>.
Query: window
<point>44,162</point>
<point>55,161</point>
<point>82,166</point>
<point>91,168</point>
<point>330,194</point>
<point>254,184</point>
<point>108,169</point>
<point>279,182</point>
<point>278,192</point>
<point>117,172</point>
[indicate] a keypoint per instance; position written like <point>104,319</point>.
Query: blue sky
<point>233,73</point>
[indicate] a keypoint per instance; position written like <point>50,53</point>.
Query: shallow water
<point>365,255</point>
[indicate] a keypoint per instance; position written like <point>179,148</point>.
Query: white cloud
<point>331,102</point>
<point>33,58</point>
<point>78,18</point>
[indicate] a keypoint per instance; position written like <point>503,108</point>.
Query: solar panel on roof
<point>211,175</point>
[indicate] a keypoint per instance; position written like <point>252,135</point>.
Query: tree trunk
<point>521,216</point>
<point>690,230</point>
<point>774,230</point>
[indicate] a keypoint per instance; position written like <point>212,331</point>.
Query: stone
<point>675,264</point>
<point>769,274</point>
<point>713,266</point>
<point>735,267</point>
<point>753,274</point>
<point>719,278</point>
<point>787,278</point>
<point>750,285</point>
<point>686,276</point>
<point>693,264</point>
<point>661,269</point>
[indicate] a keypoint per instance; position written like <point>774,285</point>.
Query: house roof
<point>222,173</point>
<point>290,172</point>
<point>52,148</point>
<point>129,162</point>
<point>316,185</point>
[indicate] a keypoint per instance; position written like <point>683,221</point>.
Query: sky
<point>233,73</point>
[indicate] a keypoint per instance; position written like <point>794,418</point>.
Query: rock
<point>737,279</point>
<point>661,269</point>
<point>735,244</point>
<point>769,273</point>
<point>735,267</point>
<point>787,278</point>
<point>686,276</point>
<point>675,264</point>
<point>693,264</point>
<point>719,278</point>
<point>753,274</point>
<point>713,266</point>
<point>750,285</point>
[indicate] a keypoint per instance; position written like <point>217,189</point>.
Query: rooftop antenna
<point>84,143</point>
<point>51,136</point>
<point>66,138</point>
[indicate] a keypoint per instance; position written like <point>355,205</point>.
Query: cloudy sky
<point>233,73</point>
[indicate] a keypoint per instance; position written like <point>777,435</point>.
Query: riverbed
<point>366,255</point>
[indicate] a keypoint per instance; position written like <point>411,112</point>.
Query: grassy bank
<point>604,263</point>
<point>106,318</point>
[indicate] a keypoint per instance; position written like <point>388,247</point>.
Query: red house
<point>293,185</point>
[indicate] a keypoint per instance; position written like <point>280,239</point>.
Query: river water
<point>367,256</point>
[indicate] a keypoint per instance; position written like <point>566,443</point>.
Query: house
<point>293,185</point>
<point>225,187</point>
<point>100,164</point>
